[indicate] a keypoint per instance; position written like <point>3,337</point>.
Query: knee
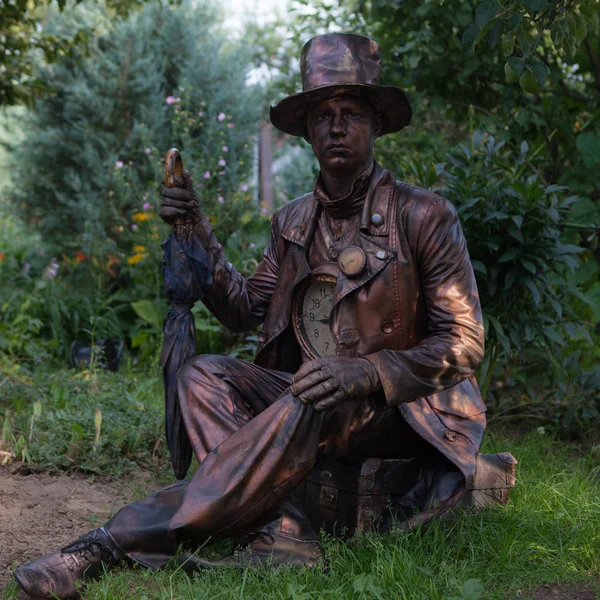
<point>198,367</point>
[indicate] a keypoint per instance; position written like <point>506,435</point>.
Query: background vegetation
<point>506,99</point>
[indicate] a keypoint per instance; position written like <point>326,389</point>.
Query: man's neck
<point>339,184</point>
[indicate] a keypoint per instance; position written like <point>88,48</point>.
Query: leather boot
<point>56,575</point>
<point>265,550</point>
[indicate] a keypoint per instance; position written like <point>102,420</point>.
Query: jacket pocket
<point>462,400</point>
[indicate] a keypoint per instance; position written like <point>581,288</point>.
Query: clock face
<point>312,313</point>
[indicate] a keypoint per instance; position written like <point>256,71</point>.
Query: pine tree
<point>168,76</point>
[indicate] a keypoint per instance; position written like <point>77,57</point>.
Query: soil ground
<point>39,513</point>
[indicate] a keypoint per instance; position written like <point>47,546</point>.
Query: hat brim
<point>390,102</point>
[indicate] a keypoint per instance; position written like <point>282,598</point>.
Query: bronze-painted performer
<point>372,330</point>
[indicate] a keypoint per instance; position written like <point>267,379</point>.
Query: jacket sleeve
<point>238,303</point>
<point>454,346</point>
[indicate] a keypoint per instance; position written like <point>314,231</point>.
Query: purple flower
<point>221,117</point>
<point>221,172</point>
<point>147,206</point>
<point>119,164</point>
<point>244,187</point>
<point>148,150</point>
<point>222,162</point>
<point>206,175</point>
<point>199,186</point>
<point>221,199</point>
<point>252,245</point>
<point>263,210</point>
<point>231,125</point>
<point>225,148</point>
<point>178,107</point>
<point>201,113</point>
<point>170,99</point>
<point>134,227</point>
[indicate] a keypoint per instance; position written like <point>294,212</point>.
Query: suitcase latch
<point>329,496</point>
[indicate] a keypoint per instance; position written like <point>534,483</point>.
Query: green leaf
<point>535,5</point>
<point>518,220</point>
<point>479,267</point>
<point>485,12</point>
<point>517,64</point>
<point>530,266</point>
<point>469,37</point>
<point>472,589</point>
<point>588,144</point>
<point>535,293</point>
<point>539,69</point>
<point>149,311</point>
<point>552,335</point>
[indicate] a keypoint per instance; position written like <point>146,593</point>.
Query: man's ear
<point>306,136</point>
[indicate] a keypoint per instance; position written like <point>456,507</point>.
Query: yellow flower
<point>136,258</point>
<point>138,248</point>
<point>139,217</point>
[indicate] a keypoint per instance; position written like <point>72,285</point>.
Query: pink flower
<point>134,227</point>
<point>225,148</point>
<point>252,245</point>
<point>148,150</point>
<point>119,164</point>
<point>221,199</point>
<point>201,113</point>
<point>231,125</point>
<point>263,210</point>
<point>206,175</point>
<point>244,187</point>
<point>178,107</point>
<point>221,172</point>
<point>147,206</point>
<point>199,186</point>
<point>221,117</point>
<point>222,162</point>
<point>170,99</point>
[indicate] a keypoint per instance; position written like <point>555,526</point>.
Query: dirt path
<point>40,513</point>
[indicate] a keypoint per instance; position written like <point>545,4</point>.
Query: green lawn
<point>549,532</point>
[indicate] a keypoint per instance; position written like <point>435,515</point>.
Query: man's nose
<point>338,125</point>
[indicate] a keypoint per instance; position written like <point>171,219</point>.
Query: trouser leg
<point>219,395</point>
<point>239,480</point>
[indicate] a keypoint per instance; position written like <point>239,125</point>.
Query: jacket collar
<point>301,221</point>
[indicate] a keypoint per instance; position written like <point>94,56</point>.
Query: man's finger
<point>300,385</point>
<point>186,205</point>
<point>306,368</point>
<point>178,193</point>
<point>170,212</point>
<point>321,390</point>
<point>330,401</point>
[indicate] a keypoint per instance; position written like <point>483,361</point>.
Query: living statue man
<point>372,330</point>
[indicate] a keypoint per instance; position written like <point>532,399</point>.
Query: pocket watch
<point>312,311</point>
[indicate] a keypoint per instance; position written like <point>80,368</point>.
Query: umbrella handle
<point>173,178</point>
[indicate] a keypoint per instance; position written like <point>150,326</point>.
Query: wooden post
<point>265,162</point>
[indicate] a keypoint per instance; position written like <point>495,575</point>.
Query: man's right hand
<point>180,203</point>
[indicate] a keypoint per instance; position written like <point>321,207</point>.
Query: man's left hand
<point>325,382</point>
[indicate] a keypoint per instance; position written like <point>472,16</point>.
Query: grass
<point>549,532</point>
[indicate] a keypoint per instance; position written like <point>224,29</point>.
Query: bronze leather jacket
<point>414,312</point>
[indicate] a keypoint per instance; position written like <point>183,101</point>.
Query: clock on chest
<point>312,311</point>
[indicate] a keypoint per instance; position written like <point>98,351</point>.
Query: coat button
<point>262,337</point>
<point>387,326</point>
<point>302,228</point>
<point>333,253</point>
<point>381,254</point>
<point>450,436</point>
<point>377,219</point>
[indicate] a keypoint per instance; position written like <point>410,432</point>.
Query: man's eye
<point>355,116</point>
<point>322,117</point>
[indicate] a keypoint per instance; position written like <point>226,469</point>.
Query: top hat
<point>342,64</point>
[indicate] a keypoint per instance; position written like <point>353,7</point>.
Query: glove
<point>180,204</point>
<point>328,381</point>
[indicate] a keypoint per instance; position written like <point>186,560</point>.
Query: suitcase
<point>365,495</point>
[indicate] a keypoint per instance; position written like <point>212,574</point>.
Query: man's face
<point>341,131</point>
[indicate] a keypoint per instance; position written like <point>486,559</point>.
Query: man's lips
<point>337,147</point>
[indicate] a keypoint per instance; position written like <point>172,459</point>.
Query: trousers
<point>254,442</point>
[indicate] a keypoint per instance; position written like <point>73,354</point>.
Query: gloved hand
<point>325,382</point>
<point>180,203</point>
